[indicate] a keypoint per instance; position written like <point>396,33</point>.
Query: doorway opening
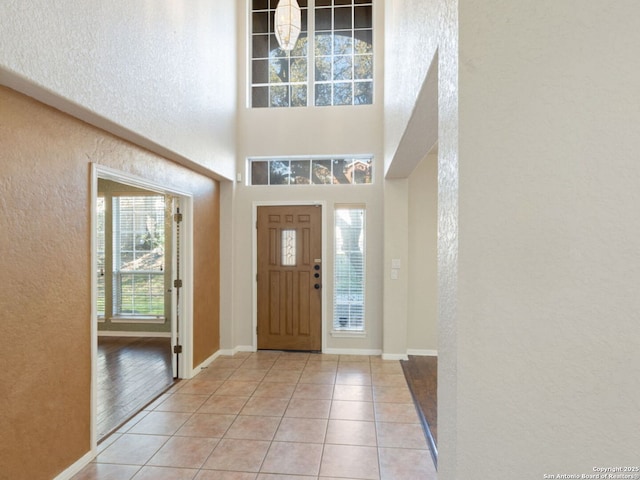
<point>141,309</point>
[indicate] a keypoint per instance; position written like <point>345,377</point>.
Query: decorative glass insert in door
<point>288,248</point>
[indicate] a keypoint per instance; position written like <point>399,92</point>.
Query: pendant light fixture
<point>287,24</point>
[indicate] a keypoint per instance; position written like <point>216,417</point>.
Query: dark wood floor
<point>131,373</point>
<point>422,377</point>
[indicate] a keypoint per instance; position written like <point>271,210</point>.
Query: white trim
<point>352,351</point>
<point>77,466</point>
<point>93,431</point>
<point>422,353</point>
<point>147,320</point>
<point>227,352</point>
<point>348,334</point>
<point>185,332</point>
<point>204,365</point>
<point>395,356</point>
<point>243,348</point>
<point>337,156</point>
<point>173,321</point>
<point>219,353</point>
<point>254,260</point>
<point>186,300</point>
<point>114,333</point>
<point>240,348</point>
<point>108,173</point>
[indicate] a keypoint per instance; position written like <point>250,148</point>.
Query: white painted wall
<point>322,131</point>
<point>538,228</point>
<point>410,130</point>
<point>411,290</point>
<point>310,131</point>
<point>544,322</point>
<point>411,41</point>
<point>422,268</point>
<point>159,73</point>
<point>396,248</point>
<point>448,140</point>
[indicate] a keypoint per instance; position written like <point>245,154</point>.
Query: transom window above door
<point>331,64</point>
<point>310,171</point>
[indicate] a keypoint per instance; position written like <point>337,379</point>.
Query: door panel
<point>289,278</point>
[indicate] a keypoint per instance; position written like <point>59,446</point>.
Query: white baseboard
<point>205,364</point>
<point>243,348</point>
<point>226,352</point>
<point>113,333</point>
<point>351,351</point>
<point>423,353</point>
<point>395,356</point>
<point>209,361</point>
<point>76,467</point>
<point>230,352</point>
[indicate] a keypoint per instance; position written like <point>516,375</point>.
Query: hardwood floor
<point>422,376</point>
<point>131,373</point>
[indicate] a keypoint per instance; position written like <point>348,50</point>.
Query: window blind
<point>349,269</point>
<point>100,250</point>
<point>138,255</point>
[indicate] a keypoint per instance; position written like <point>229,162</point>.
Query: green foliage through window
<point>332,63</point>
<point>305,171</point>
<point>138,255</point>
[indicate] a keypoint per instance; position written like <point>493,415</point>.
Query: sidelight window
<point>349,269</point>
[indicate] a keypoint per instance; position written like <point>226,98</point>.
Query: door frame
<point>254,253</point>
<point>185,304</point>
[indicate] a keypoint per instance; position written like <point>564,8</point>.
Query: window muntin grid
<point>311,171</point>
<point>343,51</point>
<point>138,255</point>
<point>278,79</point>
<point>336,40</point>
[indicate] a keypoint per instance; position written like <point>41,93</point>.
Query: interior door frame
<point>186,274</point>
<point>254,248</point>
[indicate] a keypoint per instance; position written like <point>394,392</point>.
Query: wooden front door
<point>289,278</point>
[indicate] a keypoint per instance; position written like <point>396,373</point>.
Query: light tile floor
<point>275,416</point>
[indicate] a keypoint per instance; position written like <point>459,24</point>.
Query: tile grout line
<point>305,368</point>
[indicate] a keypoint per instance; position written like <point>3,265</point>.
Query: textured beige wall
<point>160,74</point>
<point>45,277</point>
